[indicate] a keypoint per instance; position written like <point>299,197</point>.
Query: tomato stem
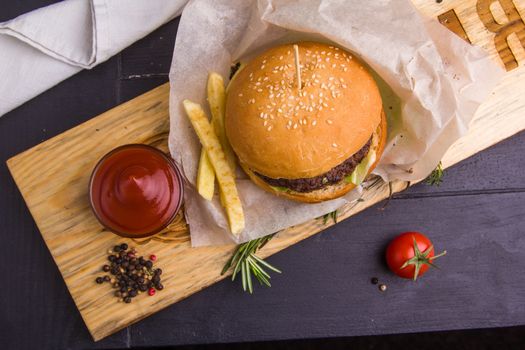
<point>421,258</point>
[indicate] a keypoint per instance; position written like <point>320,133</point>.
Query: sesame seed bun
<point>281,131</point>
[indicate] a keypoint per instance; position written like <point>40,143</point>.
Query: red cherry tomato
<point>410,254</point>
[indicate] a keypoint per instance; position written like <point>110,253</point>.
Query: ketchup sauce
<point>136,190</point>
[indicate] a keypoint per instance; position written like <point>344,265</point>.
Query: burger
<point>306,121</point>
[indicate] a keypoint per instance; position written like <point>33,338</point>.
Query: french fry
<point>205,177</point>
<point>210,142</point>
<point>217,102</point>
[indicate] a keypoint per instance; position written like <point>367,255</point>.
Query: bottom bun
<point>328,192</point>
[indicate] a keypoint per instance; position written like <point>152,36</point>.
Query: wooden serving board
<point>53,176</point>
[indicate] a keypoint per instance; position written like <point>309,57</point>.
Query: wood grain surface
<point>53,179</point>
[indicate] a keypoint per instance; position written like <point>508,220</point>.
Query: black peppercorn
<point>148,264</point>
<point>132,293</point>
<point>159,286</point>
<point>105,268</point>
<point>99,280</point>
<point>143,287</point>
<point>111,258</point>
<point>156,279</point>
<point>374,280</point>
<point>123,289</point>
<point>127,300</point>
<point>114,271</point>
<point>124,246</point>
<point>106,278</point>
<point>118,294</point>
<point>116,249</point>
<point>158,272</point>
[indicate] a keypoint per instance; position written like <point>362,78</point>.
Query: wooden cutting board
<point>53,176</point>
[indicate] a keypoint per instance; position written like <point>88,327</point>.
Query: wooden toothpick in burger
<point>297,66</point>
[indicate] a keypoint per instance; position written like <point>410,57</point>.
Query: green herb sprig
<point>331,215</point>
<point>245,262</point>
<point>436,176</point>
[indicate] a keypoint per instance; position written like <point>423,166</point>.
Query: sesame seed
<point>270,128</point>
<point>264,61</point>
<point>240,95</point>
<point>328,53</point>
<point>320,94</point>
<point>325,104</point>
<point>329,122</point>
<point>280,57</point>
<point>334,65</point>
<point>344,86</point>
<point>314,122</point>
<point>263,66</point>
<point>345,69</point>
<point>279,110</point>
<point>334,145</point>
<point>265,123</point>
<point>322,52</point>
<point>295,126</point>
<point>261,115</point>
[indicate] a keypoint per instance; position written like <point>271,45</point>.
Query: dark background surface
<point>477,215</point>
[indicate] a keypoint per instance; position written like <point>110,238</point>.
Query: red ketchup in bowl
<point>136,191</point>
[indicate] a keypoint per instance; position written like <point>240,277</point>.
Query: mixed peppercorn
<point>131,274</point>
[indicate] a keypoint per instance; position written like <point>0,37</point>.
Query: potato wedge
<point>225,178</point>
<point>205,177</point>
<point>217,102</point>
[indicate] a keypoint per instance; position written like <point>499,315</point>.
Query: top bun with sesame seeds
<point>309,138</point>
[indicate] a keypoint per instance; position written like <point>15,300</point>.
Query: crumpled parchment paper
<point>431,81</point>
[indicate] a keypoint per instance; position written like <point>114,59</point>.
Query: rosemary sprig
<point>245,262</point>
<point>331,215</point>
<point>436,176</point>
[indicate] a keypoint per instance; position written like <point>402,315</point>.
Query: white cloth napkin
<point>43,47</point>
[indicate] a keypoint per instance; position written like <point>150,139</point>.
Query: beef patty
<point>331,177</point>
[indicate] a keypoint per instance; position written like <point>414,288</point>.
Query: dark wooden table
<point>477,215</point>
